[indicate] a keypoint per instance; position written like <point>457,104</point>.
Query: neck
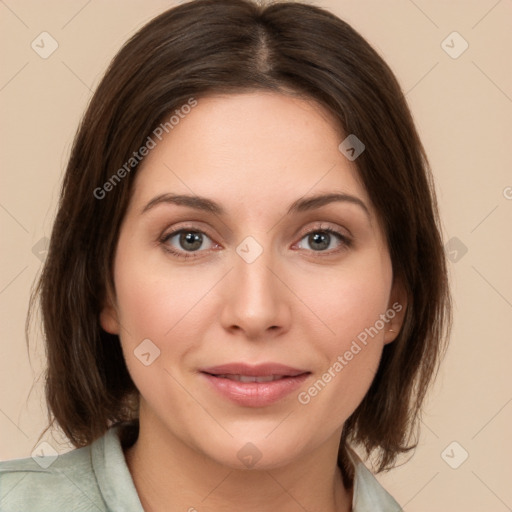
<point>171,476</point>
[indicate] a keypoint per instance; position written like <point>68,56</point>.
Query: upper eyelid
<point>320,227</point>
<point>175,231</point>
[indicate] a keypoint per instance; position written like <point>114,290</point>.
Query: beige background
<point>463,109</point>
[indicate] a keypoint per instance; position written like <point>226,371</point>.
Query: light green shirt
<point>96,479</point>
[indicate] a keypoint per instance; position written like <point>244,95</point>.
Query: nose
<point>256,300</point>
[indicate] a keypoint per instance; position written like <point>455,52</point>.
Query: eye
<point>321,240</point>
<point>185,241</point>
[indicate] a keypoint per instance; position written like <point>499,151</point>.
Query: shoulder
<point>48,483</point>
<point>369,495</point>
<point>93,478</point>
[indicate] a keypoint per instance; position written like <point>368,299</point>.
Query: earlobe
<point>397,308</point>
<point>109,320</point>
<point>390,335</point>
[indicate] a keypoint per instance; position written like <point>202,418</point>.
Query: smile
<point>254,386</point>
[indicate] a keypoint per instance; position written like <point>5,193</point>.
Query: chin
<point>256,453</point>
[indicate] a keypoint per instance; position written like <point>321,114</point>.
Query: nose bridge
<point>256,299</point>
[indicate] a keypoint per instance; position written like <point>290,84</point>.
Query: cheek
<point>349,331</point>
<point>164,305</point>
<point>153,299</point>
<point>154,305</point>
<point>349,299</point>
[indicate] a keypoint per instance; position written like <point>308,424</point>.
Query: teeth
<point>251,378</point>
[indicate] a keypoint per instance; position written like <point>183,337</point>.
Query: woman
<point>246,278</point>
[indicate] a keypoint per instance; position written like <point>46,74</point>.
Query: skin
<point>296,304</point>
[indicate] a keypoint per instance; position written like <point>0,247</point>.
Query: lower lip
<point>255,394</point>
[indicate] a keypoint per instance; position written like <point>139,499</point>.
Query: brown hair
<point>227,46</point>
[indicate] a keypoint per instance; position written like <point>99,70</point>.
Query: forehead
<point>258,149</point>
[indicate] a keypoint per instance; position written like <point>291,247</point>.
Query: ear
<point>397,307</point>
<point>109,318</point>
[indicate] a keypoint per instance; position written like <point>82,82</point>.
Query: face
<point>249,271</point>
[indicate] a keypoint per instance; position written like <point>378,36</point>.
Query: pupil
<point>194,239</point>
<point>322,239</point>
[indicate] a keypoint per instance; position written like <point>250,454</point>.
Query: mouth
<point>264,370</point>
<point>254,386</point>
<point>250,378</point>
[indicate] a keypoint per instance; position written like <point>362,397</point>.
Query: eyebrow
<point>298,206</point>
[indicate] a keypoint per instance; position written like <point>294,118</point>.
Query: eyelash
<point>346,242</point>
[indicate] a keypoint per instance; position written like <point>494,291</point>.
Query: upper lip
<point>259,370</point>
